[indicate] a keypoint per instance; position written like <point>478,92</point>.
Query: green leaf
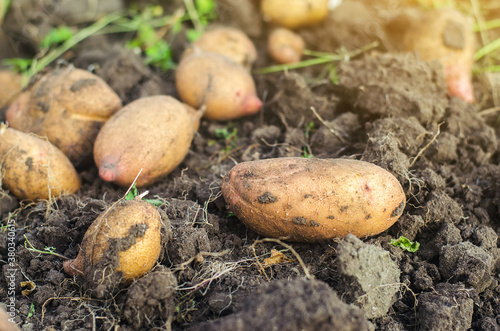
<point>155,202</point>
<point>31,310</point>
<point>406,244</point>
<point>132,193</point>
<point>18,64</point>
<point>205,7</point>
<point>56,36</point>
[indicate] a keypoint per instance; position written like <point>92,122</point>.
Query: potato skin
<point>68,106</point>
<point>295,13</point>
<point>223,86</point>
<point>307,200</point>
<point>32,168</point>
<point>115,223</point>
<point>230,42</point>
<point>152,133</point>
<point>11,84</point>
<point>446,35</point>
<point>285,46</point>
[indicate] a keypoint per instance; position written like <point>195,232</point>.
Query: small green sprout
<point>31,312</point>
<point>229,138</point>
<point>306,149</point>
<point>134,192</point>
<point>200,12</point>
<point>406,244</point>
<point>47,250</point>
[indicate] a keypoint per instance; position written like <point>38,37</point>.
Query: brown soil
<point>388,108</point>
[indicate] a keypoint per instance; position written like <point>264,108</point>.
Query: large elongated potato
<point>153,134</point>
<point>68,106</point>
<point>32,168</point>
<point>131,230</point>
<point>308,200</point>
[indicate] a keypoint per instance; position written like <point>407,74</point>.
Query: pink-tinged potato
<point>152,133</point>
<point>230,42</point>
<point>68,106</point>
<point>446,35</point>
<point>225,88</point>
<point>285,46</point>
<point>308,200</point>
<point>294,13</point>
<point>119,223</point>
<point>31,168</point>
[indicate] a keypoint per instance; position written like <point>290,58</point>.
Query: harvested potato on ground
<point>32,168</point>
<point>68,106</point>
<point>11,86</point>
<point>230,42</point>
<point>153,134</point>
<point>294,13</point>
<point>446,35</point>
<point>225,88</point>
<point>285,46</point>
<point>308,200</point>
<point>129,232</point>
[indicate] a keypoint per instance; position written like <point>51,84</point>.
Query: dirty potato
<point>11,86</point>
<point>212,80</point>
<point>230,42</point>
<point>68,106</point>
<point>131,230</point>
<point>31,168</point>
<point>152,133</point>
<point>307,200</point>
<point>294,13</point>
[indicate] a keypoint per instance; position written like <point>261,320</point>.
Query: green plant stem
<point>32,248</point>
<point>495,44</point>
<point>321,58</point>
<point>78,37</point>
<point>193,14</point>
<point>489,25</point>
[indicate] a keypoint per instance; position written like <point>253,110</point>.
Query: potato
<point>294,13</point>
<point>446,35</point>
<point>11,84</point>
<point>230,42</point>
<point>32,168</point>
<point>285,46</point>
<point>132,230</point>
<point>225,88</point>
<point>307,200</point>
<point>153,134</point>
<point>68,106</point>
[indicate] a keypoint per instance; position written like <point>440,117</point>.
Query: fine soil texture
<point>377,104</point>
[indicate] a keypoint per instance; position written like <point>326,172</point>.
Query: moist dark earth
<point>387,108</point>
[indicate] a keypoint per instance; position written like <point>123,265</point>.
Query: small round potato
<point>230,42</point>
<point>308,200</point>
<point>294,13</point>
<point>32,168</point>
<point>285,46</point>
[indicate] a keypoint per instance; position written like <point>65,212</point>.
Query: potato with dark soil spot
<point>32,168</point>
<point>68,106</point>
<point>153,134</point>
<point>212,80</point>
<point>129,229</point>
<point>308,200</point>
